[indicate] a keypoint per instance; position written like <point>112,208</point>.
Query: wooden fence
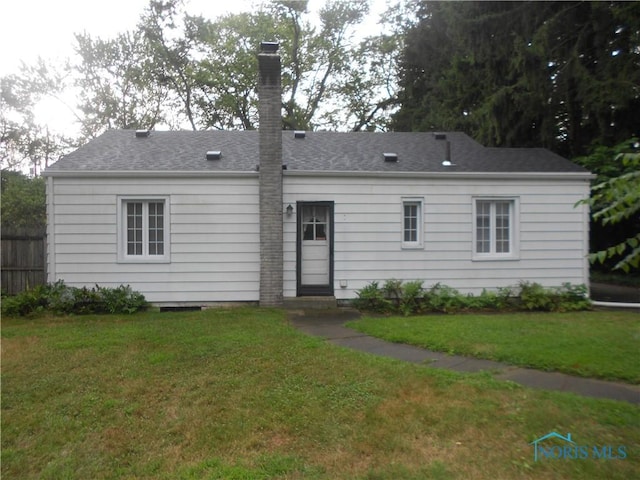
<point>23,259</point>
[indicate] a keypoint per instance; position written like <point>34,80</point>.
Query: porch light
<point>289,210</point>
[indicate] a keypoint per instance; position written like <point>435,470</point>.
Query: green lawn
<point>239,394</point>
<point>601,344</point>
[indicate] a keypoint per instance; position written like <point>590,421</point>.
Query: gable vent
<point>214,155</point>
<point>299,134</point>
<point>142,133</point>
<point>390,157</point>
<point>440,136</point>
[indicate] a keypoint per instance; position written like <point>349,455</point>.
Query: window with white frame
<point>495,228</point>
<point>143,229</point>
<point>412,222</point>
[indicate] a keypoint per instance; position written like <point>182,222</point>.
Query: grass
<point>590,344</point>
<point>239,394</point>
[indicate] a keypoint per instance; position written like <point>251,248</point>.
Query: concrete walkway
<point>329,324</point>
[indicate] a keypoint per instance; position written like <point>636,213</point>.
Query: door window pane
<point>314,222</point>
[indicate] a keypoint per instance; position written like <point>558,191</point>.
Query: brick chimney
<point>270,129</point>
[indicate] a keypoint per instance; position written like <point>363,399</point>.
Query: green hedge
<point>410,298</point>
<point>58,298</point>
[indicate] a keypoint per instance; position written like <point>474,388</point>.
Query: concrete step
<point>310,302</point>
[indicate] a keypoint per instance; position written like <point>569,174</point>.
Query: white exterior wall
<point>553,236</point>
<point>215,247</point>
<point>214,237</point>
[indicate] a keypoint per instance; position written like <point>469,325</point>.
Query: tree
<point>616,201</point>
<point>176,68</point>
<point>319,64</point>
<point>171,37</point>
<point>23,201</point>
<point>226,75</point>
<point>563,75</point>
<point>118,88</point>
<point>24,142</point>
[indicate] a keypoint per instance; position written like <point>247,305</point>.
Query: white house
<point>195,218</point>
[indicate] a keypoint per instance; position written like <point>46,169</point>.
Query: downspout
<point>615,304</point>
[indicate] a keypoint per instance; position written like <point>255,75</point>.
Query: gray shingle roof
<point>121,150</point>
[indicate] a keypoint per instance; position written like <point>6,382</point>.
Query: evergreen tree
<point>563,75</point>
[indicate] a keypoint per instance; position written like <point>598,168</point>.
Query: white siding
<point>368,242</point>
<point>215,249</point>
<point>214,242</point>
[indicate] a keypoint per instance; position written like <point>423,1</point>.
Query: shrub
<point>410,298</point>
<point>122,299</point>
<point>392,290</point>
<point>572,298</point>
<point>29,301</point>
<point>442,298</point>
<point>372,298</point>
<point>61,299</point>
<point>490,300</point>
<point>534,296</point>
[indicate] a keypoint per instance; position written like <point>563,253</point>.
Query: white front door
<point>315,247</point>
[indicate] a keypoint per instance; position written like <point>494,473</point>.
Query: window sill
<point>143,259</point>
<point>412,246</point>
<point>495,258</point>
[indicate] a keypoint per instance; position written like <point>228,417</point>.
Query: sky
<point>32,28</point>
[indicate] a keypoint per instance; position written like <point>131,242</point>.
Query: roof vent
<point>142,133</point>
<point>284,166</point>
<point>299,134</point>
<point>447,155</point>
<point>440,136</point>
<point>214,155</point>
<point>269,47</point>
<point>390,157</point>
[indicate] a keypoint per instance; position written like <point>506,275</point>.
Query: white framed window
<point>495,228</point>
<point>412,222</point>
<point>143,230</point>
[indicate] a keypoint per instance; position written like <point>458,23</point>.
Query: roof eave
<point>459,175</point>
<point>318,173</point>
<point>149,173</point>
